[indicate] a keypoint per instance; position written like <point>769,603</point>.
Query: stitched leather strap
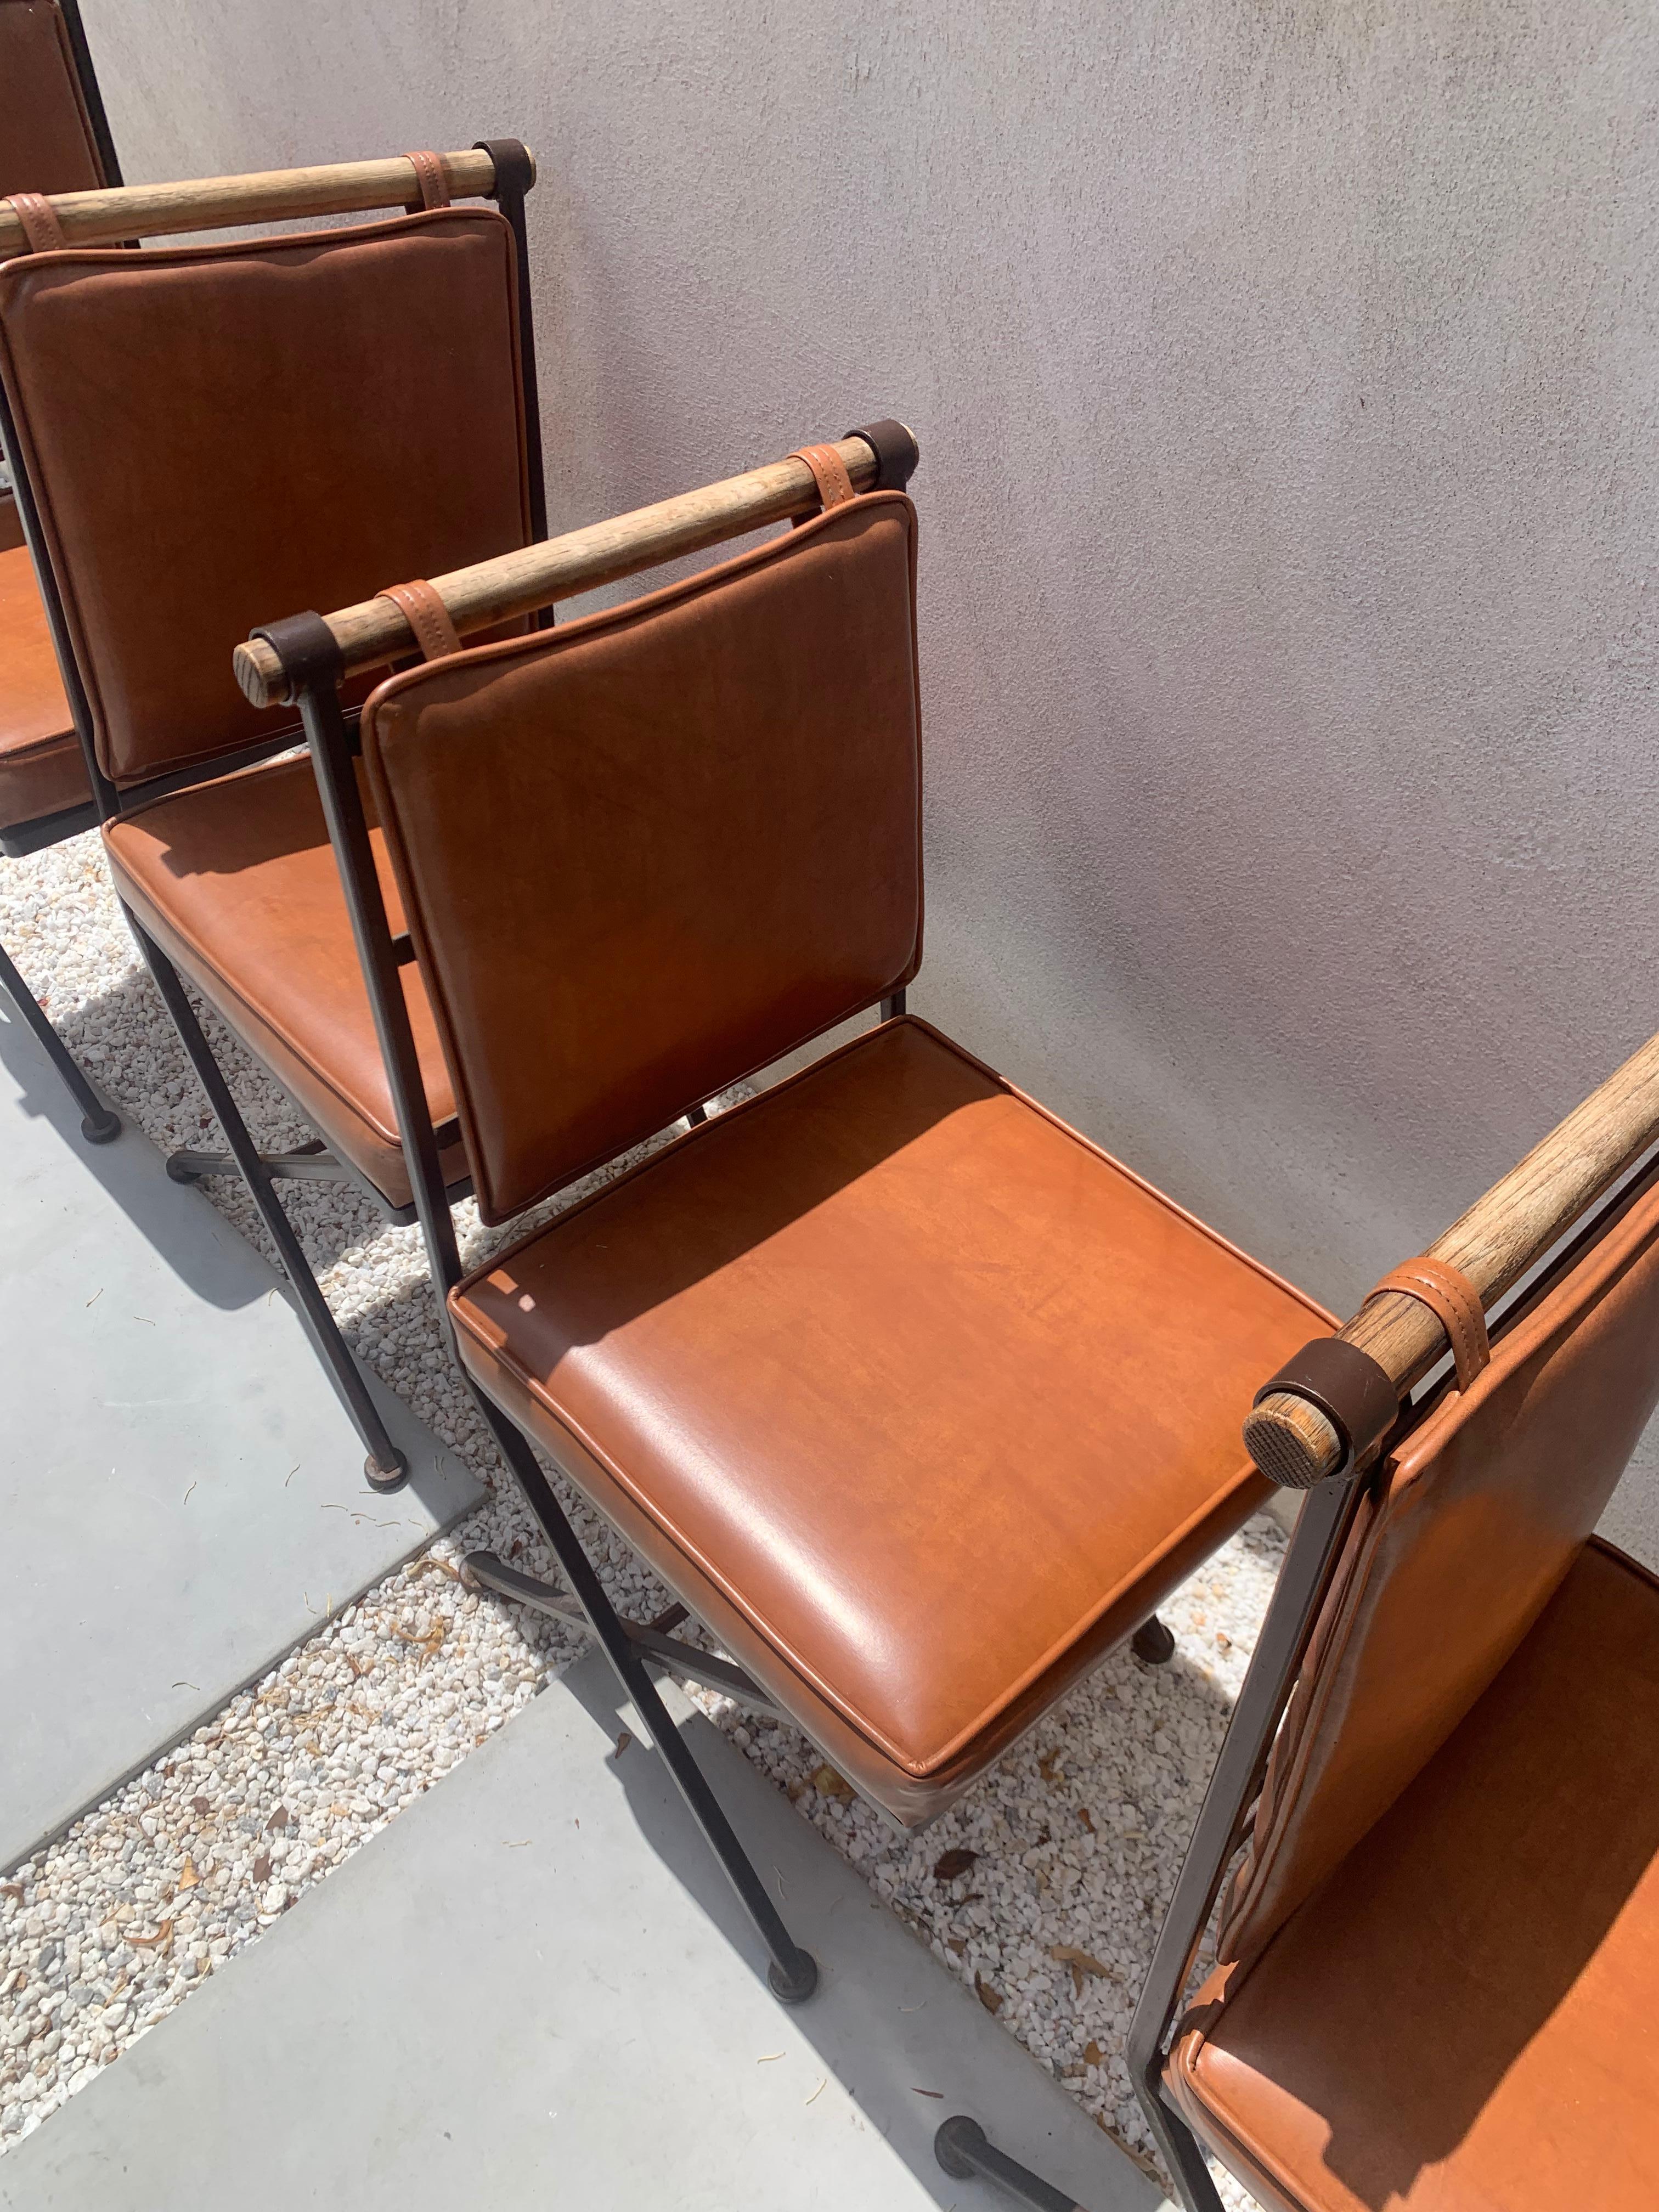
<point>1353,1391</point>
<point>429,176</point>
<point>38,217</point>
<point>427,615</point>
<point>829,474</point>
<point>1451,1298</point>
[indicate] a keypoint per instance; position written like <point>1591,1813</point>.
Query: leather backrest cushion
<point>222,436</point>
<point>645,855</point>
<point>1470,1531</point>
<point>45,135</point>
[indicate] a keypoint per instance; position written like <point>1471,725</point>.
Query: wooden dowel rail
<point>1494,1244</point>
<point>110,217</point>
<point>374,632</point>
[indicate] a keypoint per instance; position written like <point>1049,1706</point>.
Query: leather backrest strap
<point>829,474</point>
<point>41,227</point>
<point>1452,1298</point>
<point>427,615</point>
<point>429,175</point>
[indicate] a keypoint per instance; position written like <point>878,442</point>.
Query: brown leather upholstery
<point>1462,2020</point>
<point>1431,1759</point>
<point>41,770</point>
<point>237,881</point>
<point>294,420</point>
<point>874,1370</point>
<point>677,840</point>
<point>46,143</point>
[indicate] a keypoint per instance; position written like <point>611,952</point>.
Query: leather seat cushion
<point>1462,2018</point>
<point>41,769</point>
<point>237,881</point>
<point>920,1401</point>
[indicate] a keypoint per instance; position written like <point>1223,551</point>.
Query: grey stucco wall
<point>1285,377</point>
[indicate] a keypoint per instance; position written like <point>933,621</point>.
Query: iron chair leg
<point>963,2148</point>
<point>793,1974</point>
<point>385,1467</point>
<point>98,1124</point>
<point>1153,1642</point>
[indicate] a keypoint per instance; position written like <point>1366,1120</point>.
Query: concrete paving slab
<point>534,1990</point>
<point>181,1493</point>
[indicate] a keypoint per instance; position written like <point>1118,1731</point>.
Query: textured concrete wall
<point>1285,376</point>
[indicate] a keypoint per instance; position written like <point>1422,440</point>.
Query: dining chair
<point>1433,1824</point>
<point>54,138</point>
<point>875,1368</point>
<point>294,411</point>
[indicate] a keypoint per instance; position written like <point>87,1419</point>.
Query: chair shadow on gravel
<point>854,2021</point>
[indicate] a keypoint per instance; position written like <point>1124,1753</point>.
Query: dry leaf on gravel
<point>990,1998</point>
<point>953,1865</point>
<point>829,1783</point>
<point>162,1936</point>
<point>1049,1767</point>
<point>1080,1962</point>
<point>189,1878</point>
<point>262,1868</point>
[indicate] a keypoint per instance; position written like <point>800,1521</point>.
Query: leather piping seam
<point>392,689</point>
<point>238,249</point>
<point>1227,2127</point>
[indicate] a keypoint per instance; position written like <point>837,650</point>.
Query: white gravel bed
<point>1043,1890</point>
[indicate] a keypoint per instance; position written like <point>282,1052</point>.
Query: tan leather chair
<point>53,138</point>
<point>865,1367</point>
<point>1435,1964</point>
<point>295,415</point>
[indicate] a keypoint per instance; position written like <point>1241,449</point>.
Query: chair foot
<point>179,1170</point>
<point>385,1479</point>
<point>796,1986</point>
<point>964,2149</point>
<point>100,1128</point>
<point>1152,1644</point>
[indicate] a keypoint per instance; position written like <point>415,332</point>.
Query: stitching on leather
<point>1452,1298</point>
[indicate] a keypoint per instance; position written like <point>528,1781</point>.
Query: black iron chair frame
<point>385,1467</point>
<point>313,669</point>
<point>99,1126</point>
<point>1223,1823</point>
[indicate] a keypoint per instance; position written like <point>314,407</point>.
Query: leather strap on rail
<point>1355,1393</point>
<point>427,615</point>
<point>38,217</point>
<point>429,176</point>
<point>1452,1298</point>
<point>829,474</point>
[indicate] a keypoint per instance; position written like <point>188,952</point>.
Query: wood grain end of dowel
<point>259,673</point>
<point>1291,1442</point>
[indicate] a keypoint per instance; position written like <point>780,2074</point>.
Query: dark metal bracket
<point>650,1639</point>
<point>310,1162</point>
